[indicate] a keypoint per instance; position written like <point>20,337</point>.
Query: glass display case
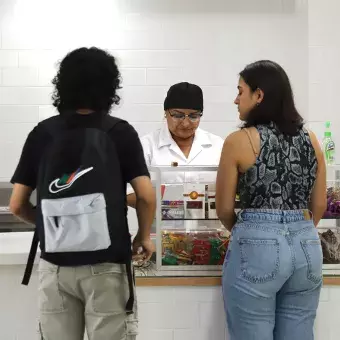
<point>190,240</point>
<point>329,227</point>
<point>189,236</point>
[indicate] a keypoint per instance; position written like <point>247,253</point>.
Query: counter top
<point>204,281</point>
<point>14,249</point>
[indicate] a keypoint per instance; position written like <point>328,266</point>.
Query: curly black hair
<point>88,78</point>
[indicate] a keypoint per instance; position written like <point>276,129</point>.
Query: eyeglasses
<point>193,117</point>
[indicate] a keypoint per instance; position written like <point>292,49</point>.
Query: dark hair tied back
<point>278,104</point>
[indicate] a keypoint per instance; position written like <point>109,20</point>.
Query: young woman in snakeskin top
<point>273,268</point>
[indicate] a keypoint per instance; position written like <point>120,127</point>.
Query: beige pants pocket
<point>112,289</point>
<point>49,298</point>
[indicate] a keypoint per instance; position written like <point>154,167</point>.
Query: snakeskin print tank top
<point>284,173</point>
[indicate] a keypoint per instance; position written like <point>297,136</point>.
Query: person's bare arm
<point>226,183</point>
<point>145,208</point>
<point>20,204</point>
<point>131,200</point>
<point>318,203</point>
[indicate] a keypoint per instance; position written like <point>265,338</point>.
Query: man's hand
<point>20,205</point>
<point>142,248</point>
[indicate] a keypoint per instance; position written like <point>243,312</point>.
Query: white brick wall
<point>156,43</point>
<point>324,70</point>
<point>170,313</point>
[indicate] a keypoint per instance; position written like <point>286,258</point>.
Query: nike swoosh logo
<point>55,187</point>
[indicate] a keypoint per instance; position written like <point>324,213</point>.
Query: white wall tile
<point>139,112</point>
<point>13,136</point>
<point>144,128</point>
<point>47,111</point>
<point>150,58</point>
<point>168,315</point>
<point>219,112</point>
<point>46,74</point>
<point>198,294</point>
<point>200,334</point>
<point>165,76</point>
<point>19,114</point>
<point>144,94</point>
<point>139,22</point>
<point>334,294</point>
<point>156,294</point>
<point>148,334</point>
<point>20,77</point>
<point>222,129</point>
<point>25,95</point>
<point>219,94</point>
<point>211,313</point>
<point>133,76</point>
<point>39,58</point>
<point>213,75</point>
<point>8,58</point>
<point>325,293</point>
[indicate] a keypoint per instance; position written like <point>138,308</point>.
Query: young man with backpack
<point>80,162</point>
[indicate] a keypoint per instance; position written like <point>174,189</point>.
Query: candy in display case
<point>180,247</point>
<point>333,193</point>
<point>333,201</point>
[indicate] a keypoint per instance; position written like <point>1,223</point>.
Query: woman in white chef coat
<point>181,140</point>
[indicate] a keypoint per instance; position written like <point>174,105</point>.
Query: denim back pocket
<point>259,259</point>
<point>314,257</point>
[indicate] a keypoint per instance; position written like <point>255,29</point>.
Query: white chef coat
<point>160,149</point>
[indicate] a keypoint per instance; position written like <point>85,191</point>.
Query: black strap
<point>109,122</point>
<point>31,258</point>
<point>59,123</point>
<point>131,280</point>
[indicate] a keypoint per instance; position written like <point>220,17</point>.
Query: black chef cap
<point>184,96</point>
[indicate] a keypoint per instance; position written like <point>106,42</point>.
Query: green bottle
<point>328,145</point>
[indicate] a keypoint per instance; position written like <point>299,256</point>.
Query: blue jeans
<point>272,276</point>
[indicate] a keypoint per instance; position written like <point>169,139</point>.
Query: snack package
<point>333,203</point>
<point>330,243</point>
<point>194,201</point>
<point>172,201</point>
<point>193,248</point>
<point>172,210</point>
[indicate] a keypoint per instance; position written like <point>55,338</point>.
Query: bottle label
<point>330,146</point>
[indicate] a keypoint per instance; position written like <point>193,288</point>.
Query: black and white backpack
<point>81,199</point>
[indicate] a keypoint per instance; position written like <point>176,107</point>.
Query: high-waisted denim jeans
<point>272,276</point>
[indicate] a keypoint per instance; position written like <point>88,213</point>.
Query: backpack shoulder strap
<point>31,257</point>
<point>53,125</point>
<point>110,122</point>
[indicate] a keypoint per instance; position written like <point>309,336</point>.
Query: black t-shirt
<point>125,137</point>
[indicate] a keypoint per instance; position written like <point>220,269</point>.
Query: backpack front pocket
<point>75,224</point>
